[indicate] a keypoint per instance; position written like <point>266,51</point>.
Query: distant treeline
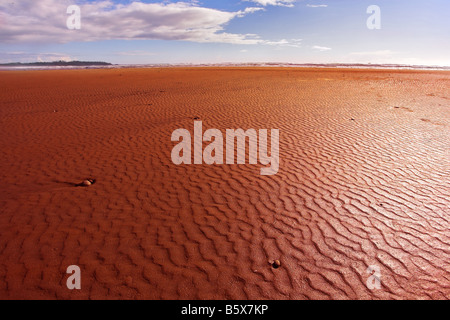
<point>56,64</point>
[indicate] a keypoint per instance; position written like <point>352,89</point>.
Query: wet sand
<point>363,181</point>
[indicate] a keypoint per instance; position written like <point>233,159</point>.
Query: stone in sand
<point>86,183</point>
<point>275,264</point>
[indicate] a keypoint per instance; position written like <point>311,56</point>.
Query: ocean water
<point>269,64</point>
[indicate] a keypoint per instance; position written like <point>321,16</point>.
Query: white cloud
<point>45,21</point>
<point>373,53</point>
<point>135,53</point>
<point>317,5</point>
<point>321,48</point>
<point>296,43</point>
<point>284,3</point>
<point>23,56</point>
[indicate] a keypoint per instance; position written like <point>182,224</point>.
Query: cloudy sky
<point>213,31</point>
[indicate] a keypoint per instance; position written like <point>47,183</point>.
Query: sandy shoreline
<point>363,180</point>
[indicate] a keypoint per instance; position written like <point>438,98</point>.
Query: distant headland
<point>59,63</point>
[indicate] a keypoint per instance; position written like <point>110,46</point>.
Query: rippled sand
<point>364,181</point>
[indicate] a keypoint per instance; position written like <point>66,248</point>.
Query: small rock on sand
<point>275,263</point>
<point>86,183</point>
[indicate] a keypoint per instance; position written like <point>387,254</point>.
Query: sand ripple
<point>364,180</point>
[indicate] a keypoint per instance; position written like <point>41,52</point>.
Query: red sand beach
<point>363,181</point>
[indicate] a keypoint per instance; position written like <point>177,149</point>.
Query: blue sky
<point>211,31</point>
